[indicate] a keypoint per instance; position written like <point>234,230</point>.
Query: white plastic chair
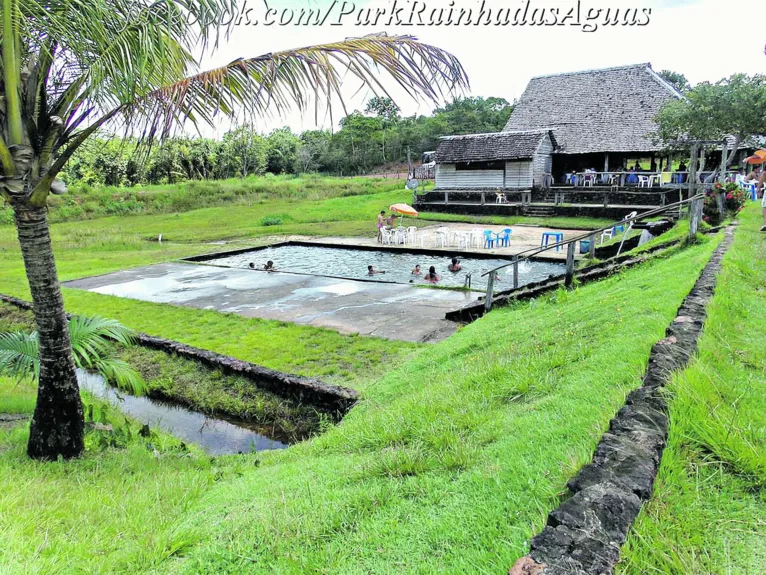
<point>643,181</point>
<point>463,240</point>
<point>412,233</point>
<point>587,180</point>
<point>607,234</point>
<point>386,236</point>
<point>423,236</point>
<point>477,238</point>
<point>654,178</point>
<point>440,239</point>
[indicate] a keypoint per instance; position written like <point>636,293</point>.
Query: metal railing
<point>591,235</point>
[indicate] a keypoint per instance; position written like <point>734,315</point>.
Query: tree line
<point>366,140</point>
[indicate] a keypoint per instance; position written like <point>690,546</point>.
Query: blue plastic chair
<point>504,237</point>
<point>489,241</point>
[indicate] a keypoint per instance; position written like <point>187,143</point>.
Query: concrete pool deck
<point>523,238</point>
<point>393,311</point>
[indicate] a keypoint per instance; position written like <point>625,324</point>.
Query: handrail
<point>570,247</point>
<point>535,251</point>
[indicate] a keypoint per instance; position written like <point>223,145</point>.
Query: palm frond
<point>92,347</point>
<point>121,374</point>
<point>275,82</point>
<point>19,355</point>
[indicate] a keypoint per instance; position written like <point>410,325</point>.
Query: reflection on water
<point>215,436</point>
<point>351,263</point>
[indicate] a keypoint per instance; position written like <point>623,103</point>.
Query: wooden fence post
<point>515,272</point>
<point>719,197</point>
<point>446,198</point>
<point>482,198</point>
<point>592,252</point>
<point>488,295</point>
<point>570,264</point>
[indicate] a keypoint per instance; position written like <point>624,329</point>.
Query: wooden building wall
<point>517,175</point>
<point>543,161</point>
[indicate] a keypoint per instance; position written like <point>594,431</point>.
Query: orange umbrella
<point>404,210</point>
<point>756,159</point>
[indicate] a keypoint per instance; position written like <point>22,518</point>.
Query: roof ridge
<point>532,131</point>
<point>646,65</point>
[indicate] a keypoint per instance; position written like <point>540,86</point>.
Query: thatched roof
<point>609,110</point>
<point>517,145</point>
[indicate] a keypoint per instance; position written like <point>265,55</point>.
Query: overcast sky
<point>703,39</point>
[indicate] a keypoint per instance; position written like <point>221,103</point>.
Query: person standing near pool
<point>380,225</point>
<point>431,275</point>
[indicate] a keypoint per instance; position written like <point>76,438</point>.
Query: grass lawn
<point>708,513</point>
<point>449,464</point>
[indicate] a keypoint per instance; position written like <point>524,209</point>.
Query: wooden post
<point>490,289</point>
<point>446,198</point>
<point>570,264</point>
<point>693,171</point>
<point>694,214</point>
<point>410,171</point>
<point>606,200</point>
<point>515,272</point>
<point>719,197</point>
<point>592,252</point>
<point>482,198</point>
<point>606,161</point>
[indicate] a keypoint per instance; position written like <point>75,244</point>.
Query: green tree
<point>70,67</point>
<point>282,151</point>
<point>312,154</point>
<point>676,79</point>
<point>243,153</point>
<point>733,106</point>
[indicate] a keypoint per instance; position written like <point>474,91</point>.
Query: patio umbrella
<point>404,210</point>
<point>759,157</point>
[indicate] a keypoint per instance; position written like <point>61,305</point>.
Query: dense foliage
<point>733,106</point>
<point>366,140</point>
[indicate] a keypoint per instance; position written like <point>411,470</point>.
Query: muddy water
<point>216,436</point>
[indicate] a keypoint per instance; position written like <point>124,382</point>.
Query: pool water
<point>351,263</point>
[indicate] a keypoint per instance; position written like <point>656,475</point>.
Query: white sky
<point>703,39</point>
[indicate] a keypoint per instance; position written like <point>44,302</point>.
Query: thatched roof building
<point>562,123</point>
<point>596,111</point>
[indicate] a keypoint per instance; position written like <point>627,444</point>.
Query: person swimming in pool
<point>416,271</point>
<point>431,275</point>
<point>372,271</point>
<point>455,265</point>
<point>252,265</point>
<point>269,267</point>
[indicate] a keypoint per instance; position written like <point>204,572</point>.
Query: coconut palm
<point>71,67</point>
<point>92,349</point>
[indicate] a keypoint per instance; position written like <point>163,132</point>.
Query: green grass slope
<point>708,512</point>
<point>449,464</point>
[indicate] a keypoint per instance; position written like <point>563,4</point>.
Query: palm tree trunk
<point>57,425</point>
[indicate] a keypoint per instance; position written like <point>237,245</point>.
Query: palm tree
<point>71,67</point>
<point>91,339</point>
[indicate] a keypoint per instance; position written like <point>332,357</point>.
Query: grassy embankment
<point>708,513</point>
<point>449,464</point>
<point>203,389</point>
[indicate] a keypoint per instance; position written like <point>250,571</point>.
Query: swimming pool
<point>352,263</point>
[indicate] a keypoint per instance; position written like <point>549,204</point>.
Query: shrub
<point>271,221</point>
